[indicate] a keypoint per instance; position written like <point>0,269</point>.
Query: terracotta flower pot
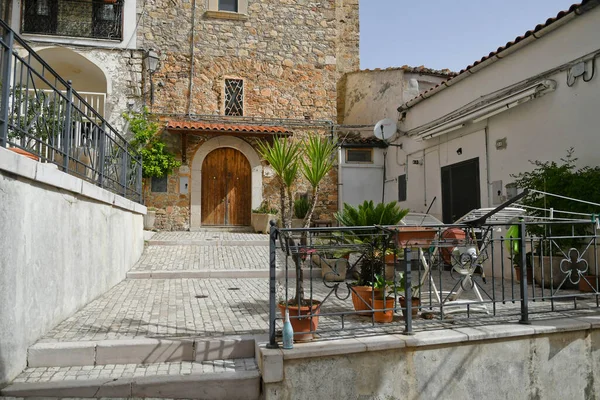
<point>415,303</point>
<point>24,153</point>
<point>383,316</point>
<point>589,286</point>
<point>304,325</point>
<point>362,306</point>
<point>529,274</point>
<point>415,236</point>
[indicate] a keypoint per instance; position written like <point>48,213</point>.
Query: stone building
<point>229,73</point>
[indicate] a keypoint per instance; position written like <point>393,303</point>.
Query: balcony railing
<point>41,114</point>
<point>99,19</point>
<point>456,275</point>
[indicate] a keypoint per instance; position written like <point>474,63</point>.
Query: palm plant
<point>367,214</point>
<point>287,159</point>
<point>320,154</point>
<point>283,156</point>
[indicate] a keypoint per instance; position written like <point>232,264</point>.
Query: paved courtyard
<point>194,307</point>
<point>198,257</point>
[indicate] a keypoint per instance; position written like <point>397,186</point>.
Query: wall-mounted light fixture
<point>151,64</point>
<point>459,151</point>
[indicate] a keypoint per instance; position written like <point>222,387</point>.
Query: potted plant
<point>149,218</point>
<point>301,207</point>
<point>400,290</point>
<point>382,304</point>
<point>262,216</point>
<point>313,158</point>
<point>565,179</point>
<point>513,247</point>
<point>333,265</point>
<point>367,214</point>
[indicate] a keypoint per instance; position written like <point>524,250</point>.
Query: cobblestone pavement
<point>117,371</point>
<point>171,308</point>
<point>194,257</point>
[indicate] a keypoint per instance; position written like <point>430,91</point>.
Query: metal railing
<point>454,274</point>
<point>41,114</point>
<point>98,19</point>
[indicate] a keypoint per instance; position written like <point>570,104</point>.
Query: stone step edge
<point>240,385</point>
<point>155,242</point>
<point>215,273</point>
<point>141,351</point>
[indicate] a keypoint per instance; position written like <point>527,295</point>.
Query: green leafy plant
<point>157,161</point>
<point>369,214</point>
<point>301,207</point>
<point>265,209</point>
<point>382,285</point>
<point>39,117</point>
<point>320,158</point>
<point>565,179</point>
<point>313,158</point>
<point>283,156</point>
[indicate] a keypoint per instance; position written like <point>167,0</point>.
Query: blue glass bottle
<point>288,332</point>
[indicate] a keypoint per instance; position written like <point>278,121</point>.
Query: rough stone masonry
<point>291,55</point>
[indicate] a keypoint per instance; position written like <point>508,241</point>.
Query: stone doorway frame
<point>196,173</point>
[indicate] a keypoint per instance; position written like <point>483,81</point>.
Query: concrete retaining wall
<point>547,360</point>
<point>63,242</point>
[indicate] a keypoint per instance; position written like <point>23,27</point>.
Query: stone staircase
<point>220,368</point>
<point>70,362</point>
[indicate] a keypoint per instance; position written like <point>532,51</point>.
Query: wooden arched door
<point>226,188</point>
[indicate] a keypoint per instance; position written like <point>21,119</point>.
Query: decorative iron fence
<point>99,19</point>
<point>42,115</point>
<point>453,274</point>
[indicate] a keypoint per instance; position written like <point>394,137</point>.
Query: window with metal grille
<point>402,187</point>
<point>159,185</point>
<point>234,97</point>
<point>359,155</point>
<point>228,5</point>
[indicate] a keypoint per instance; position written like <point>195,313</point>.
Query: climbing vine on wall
<point>157,161</point>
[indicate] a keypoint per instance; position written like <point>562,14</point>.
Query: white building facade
<point>531,100</point>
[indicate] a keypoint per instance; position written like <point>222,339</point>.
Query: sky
<point>444,33</point>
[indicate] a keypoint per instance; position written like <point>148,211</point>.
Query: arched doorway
<point>226,188</point>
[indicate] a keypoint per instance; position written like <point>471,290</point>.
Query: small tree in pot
<point>314,158</point>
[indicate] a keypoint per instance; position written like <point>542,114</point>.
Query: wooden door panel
<point>226,188</point>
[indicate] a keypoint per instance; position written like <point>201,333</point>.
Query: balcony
<point>97,19</point>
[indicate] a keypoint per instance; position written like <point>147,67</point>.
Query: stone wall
<point>291,56</point>
<point>173,208</point>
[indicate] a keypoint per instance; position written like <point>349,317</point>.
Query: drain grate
<point>233,288</point>
<point>201,296</point>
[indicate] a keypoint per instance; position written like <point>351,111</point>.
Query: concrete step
<point>206,242</point>
<point>219,273</point>
<point>224,228</point>
<point>140,351</point>
<point>220,379</point>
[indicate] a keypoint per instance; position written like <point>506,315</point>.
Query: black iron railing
<point>455,274</point>
<point>42,116</point>
<point>99,19</point>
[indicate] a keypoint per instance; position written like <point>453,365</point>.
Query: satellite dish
<point>385,129</point>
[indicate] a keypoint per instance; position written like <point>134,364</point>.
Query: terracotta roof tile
<point>225,127</point>
<point>518,39</point>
